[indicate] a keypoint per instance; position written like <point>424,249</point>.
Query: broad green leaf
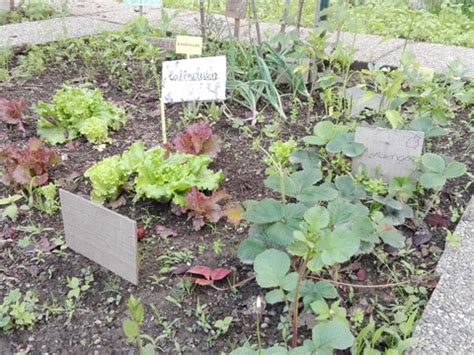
<point>250,248</point>
<point>432,180</point>
<point>53,135</point>
<point>455,169</point>
<point>393,238</point>
<point>433,163</point>
<point>317,218</point>
<point>289,281</point>
<point>394,118</point>
<point>10,212</point>
<point>130,329</point>
<point>338,246</point>
<point>332,335</point>
<point>149,349</point>
<point>321,309</point>
<point>271,266</point>
<point>10,199</point>
<point>275,296</point>
<point>265,211</point>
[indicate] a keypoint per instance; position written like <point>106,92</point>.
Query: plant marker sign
<point>189,45</point>
<point>197,79</point>
<point>101,235</point>
<point>389,152</point>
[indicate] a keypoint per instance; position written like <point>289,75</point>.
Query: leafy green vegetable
<point>78,111</point>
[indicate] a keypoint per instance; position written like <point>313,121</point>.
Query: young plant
<point>18,311</point>
<point>78,111</point>
<point>11,112</point>
<point>202,208</point>
<point>27,166</point>
<point>198,139</point>
<point>45,198</point>
<point>131,326</point>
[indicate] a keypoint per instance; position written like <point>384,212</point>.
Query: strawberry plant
<point>76,111</point>
<point>198,139</point>
<point>11,112</point>
<point>27,166</point>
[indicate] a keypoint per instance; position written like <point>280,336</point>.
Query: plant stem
<point>338,283</point>
<point>294,323</point>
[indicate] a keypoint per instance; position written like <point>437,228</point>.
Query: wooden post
<point>317,13</point>
<point>286,14</point>
<point>140,9</point>
<point>300,14</point>
<point>257,24</point>
<point>12,5</point>
<point>237,28</point>
<point>202,12</point>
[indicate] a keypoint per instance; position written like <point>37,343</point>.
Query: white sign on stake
<point>101,235</point>
<point>198,79</point>
<point>389,152</point>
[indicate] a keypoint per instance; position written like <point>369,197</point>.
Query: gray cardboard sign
<point>236,9</point>
<point>389,152</point>
<point>165,43</point>
<point>360,99</point>
<point>101,235</point>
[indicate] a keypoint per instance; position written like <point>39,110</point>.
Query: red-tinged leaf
<point>203,208</point>
<point>72,145</point>
<point>233,212</point>
<point>422,237</point>
<point>361,275</point>
<point>11,112</point>
<point>198,139</point>
<point>437,220</point>
<point>220,273</point>
<point>165,232</point>
<point>21,165</point>
<point>201,270</point>
<point>141,233</point>
<point>202,282</point>
<point>45,245</point>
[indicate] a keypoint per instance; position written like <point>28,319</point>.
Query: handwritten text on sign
<point>189,45</point>
<point>199,79</point>
<point>389,152</point>
<point>142,2</point>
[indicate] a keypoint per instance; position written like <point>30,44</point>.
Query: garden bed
<point>183,315</point>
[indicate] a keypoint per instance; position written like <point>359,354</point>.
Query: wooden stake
<point>140,8</point>
<point>300,14</point>
<point>237,28</point>
<point>163,122</point>
<point>286,14</point>
<point>257,24</point>
<point>202,12</point>
<point>12,5</point>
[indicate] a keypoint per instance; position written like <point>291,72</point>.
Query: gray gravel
<point>447,324</point>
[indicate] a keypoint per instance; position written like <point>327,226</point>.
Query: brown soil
<point>96,325</point>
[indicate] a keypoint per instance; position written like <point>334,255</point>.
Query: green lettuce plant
<point>76,111</point>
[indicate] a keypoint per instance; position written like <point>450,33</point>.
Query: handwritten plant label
<point>197,79</point>
<point>165,43</point>
<point>389,152</point>
<point>189,45</point>
<point>101,235</point>
<point>236,9</point>
<point>142,2</point>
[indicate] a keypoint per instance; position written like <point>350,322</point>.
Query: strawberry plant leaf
<point>271,267</point>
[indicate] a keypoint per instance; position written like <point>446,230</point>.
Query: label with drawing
<point>389,152</point>
<point>198,79</point>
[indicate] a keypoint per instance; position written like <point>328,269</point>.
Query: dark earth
<point>171,302</point>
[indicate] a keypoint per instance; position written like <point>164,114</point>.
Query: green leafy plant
<point>11,209</point>
<point>18,311</point>
<point>78,111</point>
<point>198,139</point>
<point>45,198</point>
<point>131,326</point>
<point>436,171</point>
<point>158,174</point>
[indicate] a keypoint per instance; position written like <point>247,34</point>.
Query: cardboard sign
<point>189,45</point>
<point>389,152</point>
<point>236,9</point>
<point>198,79</point>
<point>101,235</point>
<point>165,43</point>
<point>143,2</point>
